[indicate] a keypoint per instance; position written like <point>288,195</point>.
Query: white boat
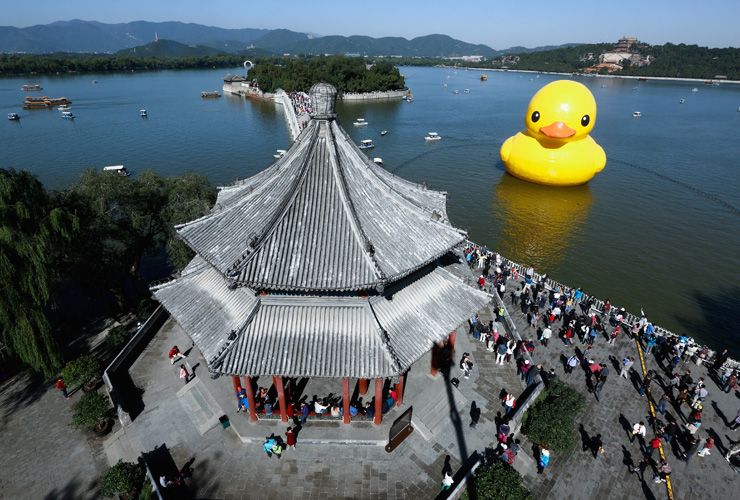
<point>279,153</point>
<point>444,85</point>
<point>367,144</point>
<point>117,169</point>
<point>636,114</point>
<point>378,161</point>
<point>455,92</point>
<point>603,85</point>
<point>64,107</point>
<point>681,101</point>
<point>383,132</point>
<point>410,99</point>
<point>695,89</point>
<point>360,122</point>
<point>432,136</point>
<point>467,91</point>
<point>143,113</point>
<point>67,115</point>
<point>14,116</point>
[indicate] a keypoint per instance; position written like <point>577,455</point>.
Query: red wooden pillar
<point>345,400</point>
<point>362,383</point>
<point>399,390</point>
<point>278,383</point>
<point>378,417</point>
<point>247,384</point>
<point>237,384</point>
<point>435,361</point>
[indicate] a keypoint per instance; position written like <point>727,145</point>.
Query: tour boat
<point>383,132</point>
<point>32,102</point>
<point>117,169</point>
<point>14,116</point>
<point>378,161</point>
<point>432,136</point>
<point>367,144</point>
<point>279,153</point>
<point>67,115</point>
<point>636,114</point>
<point>143,113</point>
<point>206,94</point>
<point>681,101</point>
<point>30,87</point>
<point>360,122</point>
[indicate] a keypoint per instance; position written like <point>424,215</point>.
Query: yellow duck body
<point>555,148</point>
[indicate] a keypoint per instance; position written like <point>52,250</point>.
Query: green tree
<point>34,234</point>
<point>122,478</point>
<point>499,481</point>
<point>551,419</point>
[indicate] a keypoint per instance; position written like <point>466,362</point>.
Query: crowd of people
<point>302,106</point>
<point>571,316</point>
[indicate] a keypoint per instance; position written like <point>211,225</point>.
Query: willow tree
<point>33,233</point>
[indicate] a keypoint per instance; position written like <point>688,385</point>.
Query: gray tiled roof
<point>293,335</point>
<point>323,217</point>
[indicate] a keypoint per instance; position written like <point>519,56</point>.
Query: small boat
<point>64,107</point>
<point>455,92</point>
<point>603,85</point>
<point>432,136</point>
<point>279,153</point>
<point>143,113</point>
<point>360,122</point>
<point>94,82</point>
<point>483,77</point>
<point>367,144</point>
<point>14,116</point>
<point>378,161</point>
<point>207,94</point>
<point>695,89</point>
<point>31,87</point>
<point>444,85</point>
<point>467,91</point>
<point>117,169</point>
<point>67,115</point>
<point>383,132</point>
<point>410,99</point>
<point>681,101</point>
<point>636,114</point>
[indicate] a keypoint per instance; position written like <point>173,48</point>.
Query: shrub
<point>81,370</point>
<point>498,481</point>
<point>90,409</point>
<point>117,337</point>
<point>551,419</point>
<point>124,477</point>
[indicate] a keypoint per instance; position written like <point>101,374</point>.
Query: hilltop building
<point>322,265</point>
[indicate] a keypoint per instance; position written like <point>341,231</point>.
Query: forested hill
<point>347,74</point>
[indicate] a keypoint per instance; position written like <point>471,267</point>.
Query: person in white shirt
<point>545,337</point>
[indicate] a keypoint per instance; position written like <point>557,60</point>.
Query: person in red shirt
<point>174,354</point>
<point>290,438</point>
<point>654,445</point>
<point>61,386</point>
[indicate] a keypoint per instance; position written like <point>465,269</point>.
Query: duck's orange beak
<point>558,130</point>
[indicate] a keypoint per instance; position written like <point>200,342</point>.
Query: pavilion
<point>322,265</point>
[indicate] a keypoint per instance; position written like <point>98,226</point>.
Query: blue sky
<point>499,24</point>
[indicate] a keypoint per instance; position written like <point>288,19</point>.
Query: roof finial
<point>323,98</point>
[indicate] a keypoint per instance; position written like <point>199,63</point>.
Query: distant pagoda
<point>322,265</point>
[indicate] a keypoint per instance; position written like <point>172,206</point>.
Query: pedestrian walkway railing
<point>598,304</point>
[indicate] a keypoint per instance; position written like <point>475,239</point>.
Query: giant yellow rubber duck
<point>555,148</point>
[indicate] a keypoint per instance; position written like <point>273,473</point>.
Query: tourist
<point>272,447</point>
<point>708,445</point>
<point>615,334</point>
<point>290,438</point>
<point>501,353</point>
<point>572,362</point>
<point>654,445</point>
<point>184,374</point>
<point>61,386</point>
<point>305,411</point>
<point>638,430</point>
<point>691,450</point>
<point>720,359</point>
<point>627,363</point>
<point>603,374</point>
<point>664,470</point>
<point>597,446</point>
<point>734,450</point>
<point>731,384</point>
<point>736,422</point>
<point>545,336</point>
<point>175,354</point>
<point>670,431</point>
<point>242,403</point>
<point>544,459</point>
<point>447,481</point>
<point>532,374</point>
<point>645,385</point>
<point>662,403</point>
<point>319,407</point>
<point>466,365</point>
<point>509,403</point>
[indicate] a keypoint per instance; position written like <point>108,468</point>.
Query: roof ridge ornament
<point>323,100</point>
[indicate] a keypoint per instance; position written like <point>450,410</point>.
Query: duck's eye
<point>585,120</point>
<point>535,116</point>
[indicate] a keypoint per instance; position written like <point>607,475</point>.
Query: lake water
<point>659,228</point>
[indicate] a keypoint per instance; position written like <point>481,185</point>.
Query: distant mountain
<point>542,48</point>
<point>170,48</point>
<point>96,37</point>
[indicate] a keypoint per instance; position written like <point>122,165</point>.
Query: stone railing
<point>369,96</point>
<point>282,97</point>
<point>598,305</point>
